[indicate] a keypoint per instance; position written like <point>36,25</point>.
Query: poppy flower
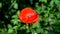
<point>28,15</point>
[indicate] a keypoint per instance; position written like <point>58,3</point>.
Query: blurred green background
<point>49,17</point>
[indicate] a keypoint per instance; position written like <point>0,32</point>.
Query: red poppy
<point>28,15</point>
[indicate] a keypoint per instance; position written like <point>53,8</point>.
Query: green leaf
<point>10,30</point>
<point>7,16</point>
<point>38,9</point>
<point>18,12</point>
<point>15,21</point>
<point>16,6</point>
<point>23,27</point>
<point>33,31</point>
<point>9,26</point>
<point>51,4</point>
<point>39,30</point>
<point>43,1</point>
<point>14,16</point>
<point>12,5</point>
<point>37,5</point>
<point>15,27</point>
<point>46,32</point>
<point>57,2</point>
<point>3,31</point>
<point>27,30</point>
<point>53,21</point>
<point>36,25</point>
<point>58,15</point>
<point>51,15</point>
<point>0,5</point>
<point>46,13</point>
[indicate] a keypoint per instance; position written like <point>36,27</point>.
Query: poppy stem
<point>30,28</point>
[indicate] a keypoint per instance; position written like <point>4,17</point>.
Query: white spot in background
<point>49,19</point>
<point>35,33</point>
<point>27,27</point>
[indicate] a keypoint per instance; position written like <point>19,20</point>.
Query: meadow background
<point>49,17</point>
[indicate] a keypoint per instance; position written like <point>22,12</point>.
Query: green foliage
<point>16,6</point>
<point>43,1</point>
<point>0,5</point>
<point>48,11</point>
